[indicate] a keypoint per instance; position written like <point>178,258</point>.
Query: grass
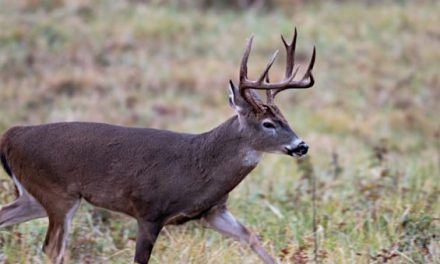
<point>371,120</point>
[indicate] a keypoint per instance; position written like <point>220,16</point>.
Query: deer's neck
<point>225,153</point>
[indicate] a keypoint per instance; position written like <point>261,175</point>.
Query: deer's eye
<point>267,124</point>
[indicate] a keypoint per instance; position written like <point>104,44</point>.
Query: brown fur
<point>155,176</point>
<point>154,181</point>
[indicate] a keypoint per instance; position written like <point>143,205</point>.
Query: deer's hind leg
<point>221,220</point>
<point>23,209</point>
<point>60,217</point>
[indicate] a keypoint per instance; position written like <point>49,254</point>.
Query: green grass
<point>375,106</point>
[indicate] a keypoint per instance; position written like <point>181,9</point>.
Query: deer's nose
<point>301,149</point>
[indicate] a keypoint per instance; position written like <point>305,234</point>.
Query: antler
<point>262,83</point>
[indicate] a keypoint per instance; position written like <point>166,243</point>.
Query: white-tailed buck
<point>157,177</point>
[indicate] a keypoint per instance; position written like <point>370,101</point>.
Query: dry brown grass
<point>375,105</point>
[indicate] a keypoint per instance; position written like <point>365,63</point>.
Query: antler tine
<point>244,60</point>
<point>243,76</point>
<point>309,73</point>
<point>268,66</point>
<point>290,53</point>
<point>269,93</point>
<point>312,62</point>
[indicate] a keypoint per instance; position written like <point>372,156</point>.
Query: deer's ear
<point>235,100</point>
<point>232,93</point>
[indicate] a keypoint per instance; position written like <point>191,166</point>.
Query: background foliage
<point>371,119</point>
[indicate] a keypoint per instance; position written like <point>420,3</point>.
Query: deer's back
<point>81,157</point>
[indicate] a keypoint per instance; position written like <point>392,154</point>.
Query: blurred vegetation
<point>371,119</point>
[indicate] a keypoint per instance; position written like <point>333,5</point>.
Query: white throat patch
<point>251,158</point>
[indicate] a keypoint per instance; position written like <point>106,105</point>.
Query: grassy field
<point>372,121</point>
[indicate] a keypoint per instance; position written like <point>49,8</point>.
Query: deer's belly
<point>194,212</point>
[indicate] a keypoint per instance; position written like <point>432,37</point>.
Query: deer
<point>158,177</point>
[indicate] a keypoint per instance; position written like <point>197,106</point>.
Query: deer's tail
<point>5,165</point>
<point>3,160</point>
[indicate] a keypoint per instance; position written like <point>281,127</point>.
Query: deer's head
<point>263,122</point>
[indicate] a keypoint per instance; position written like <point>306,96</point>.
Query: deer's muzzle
<point>299,150</point>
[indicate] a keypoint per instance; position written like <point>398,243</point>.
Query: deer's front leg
<point>221,220</point>
<point>147,234</point>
